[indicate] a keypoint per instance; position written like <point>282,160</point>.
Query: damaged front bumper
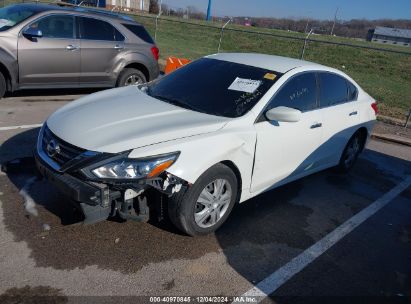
<point>68,168</point>
<point>99,201</point>
<point>93,199</point>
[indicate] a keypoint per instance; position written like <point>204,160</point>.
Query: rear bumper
<point>93,199</point>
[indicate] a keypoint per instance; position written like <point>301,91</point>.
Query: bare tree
<point>154,7</point>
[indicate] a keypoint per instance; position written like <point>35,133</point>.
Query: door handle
<point>353,113</point>
<point>118,47</point>
<point>316,125</point>
<point>71,47</point>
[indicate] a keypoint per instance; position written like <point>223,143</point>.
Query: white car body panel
<point>117,120</point>
<point>279,153</point>
<point>265,155</point>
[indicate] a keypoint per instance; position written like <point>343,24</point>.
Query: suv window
<point>140,32</point>
<point>300,92</point>
<point>55,26</point>
<point>333,89</point>
<point>94,29</point>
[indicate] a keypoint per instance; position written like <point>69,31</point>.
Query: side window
<point>140,32</point>
<point>299,93</point>
<point>352,91</point>
<point>333,89</point>
<point>118,36</point>
<point>55,26</point>
<point>94,29</point>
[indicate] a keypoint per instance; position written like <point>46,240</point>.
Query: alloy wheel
<point>212,203</point>
<point>133,79</point>
<point>352,151</point>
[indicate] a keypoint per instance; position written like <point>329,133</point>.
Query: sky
<point>316,9</point>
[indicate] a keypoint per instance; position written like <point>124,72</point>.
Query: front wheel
<point>206,205</point>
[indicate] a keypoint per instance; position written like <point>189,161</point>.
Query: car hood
<point>122,119</point>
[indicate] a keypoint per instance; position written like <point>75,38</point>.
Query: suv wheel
<point>2,85</point>
<point>131,76</point>
<point>351,152</point>
<point>206,205</point>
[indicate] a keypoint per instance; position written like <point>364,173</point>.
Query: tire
<point>351,152</point>
<point>127,75</point>
<point>2,85</point>
<point>183,206</point>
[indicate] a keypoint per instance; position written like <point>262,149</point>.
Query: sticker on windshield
<point>5,22</point>
<point>245,85</point>
<point>270,76</point>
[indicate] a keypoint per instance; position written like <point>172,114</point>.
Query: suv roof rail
<point>85,9</point>
<point>61,3</point>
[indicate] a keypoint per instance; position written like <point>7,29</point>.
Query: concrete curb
<point>391,120</point>
<point>392,138</point>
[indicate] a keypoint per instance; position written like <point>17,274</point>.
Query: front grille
<point>65,151</point>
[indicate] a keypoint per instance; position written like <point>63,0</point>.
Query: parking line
<point>20,127</point>
<point>286,272</point>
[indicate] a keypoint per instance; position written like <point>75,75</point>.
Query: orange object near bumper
<point>173,63</point>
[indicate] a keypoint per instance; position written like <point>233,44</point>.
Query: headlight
<point>128,168</point>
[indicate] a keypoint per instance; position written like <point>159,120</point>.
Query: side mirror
<point>284,114</point>
<point>32,33</point>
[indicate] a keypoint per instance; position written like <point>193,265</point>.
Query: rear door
<point>286,150</point>
<point>54,58</point>
<point>101,44</point>
<point>340,113</point>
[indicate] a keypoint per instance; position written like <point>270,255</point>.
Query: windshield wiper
<point>175,102</point>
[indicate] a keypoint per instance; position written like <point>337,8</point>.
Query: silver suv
<point>51,46</point>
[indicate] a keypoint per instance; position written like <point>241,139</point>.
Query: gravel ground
<point>385,128</point>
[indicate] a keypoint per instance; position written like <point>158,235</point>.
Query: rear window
<point>215,87</point>
<point>140,32</point>
<point>333,89</point>
<point>352,91</point>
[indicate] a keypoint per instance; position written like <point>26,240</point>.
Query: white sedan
<point>214,133</point>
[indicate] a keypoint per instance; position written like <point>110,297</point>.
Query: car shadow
<point>52,92</point>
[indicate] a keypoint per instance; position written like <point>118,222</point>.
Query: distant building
<point>390,36</point>
<point>129,5</point>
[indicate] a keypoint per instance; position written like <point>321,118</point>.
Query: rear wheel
<point>351,152</point>
<point>131,76</point>
<point>206,205</point>
<point>2,85</point>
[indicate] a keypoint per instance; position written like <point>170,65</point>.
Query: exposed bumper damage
<point>98,201</point>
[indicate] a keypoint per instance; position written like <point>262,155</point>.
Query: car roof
<point>270,62</point>
<point>40,7</point>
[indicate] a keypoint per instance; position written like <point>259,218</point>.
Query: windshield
<point>214,87</point>
<point>14,14</point>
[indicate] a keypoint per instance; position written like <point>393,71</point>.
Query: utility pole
<point>306,26</point>
<point>209,10</point>
<point>335,20</point>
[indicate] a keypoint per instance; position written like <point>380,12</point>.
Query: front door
<point>54,58</point>
<point>288,149</point>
